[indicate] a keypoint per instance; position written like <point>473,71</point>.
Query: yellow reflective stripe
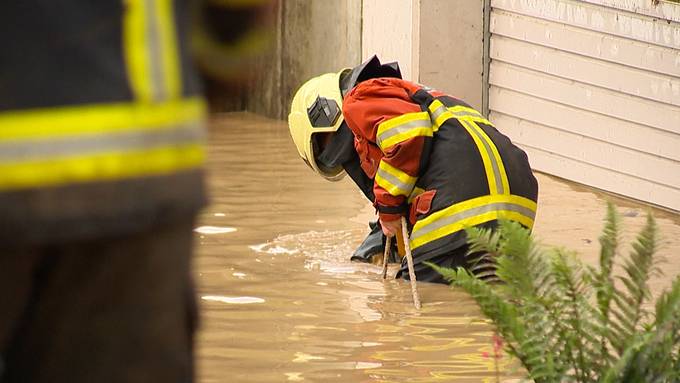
<point>491,176</point>
<point>493,164</point>
<point>394,180</point>
<point>463,112</point>
<point>101,167</point>
<point>402,128</point>
<point>97,119</point>
<point>439,114</point>
<point>135,42</point>
<point>473,212</point>
<point>150,46</point>
<point>170,52</point>
<point>468,117</point>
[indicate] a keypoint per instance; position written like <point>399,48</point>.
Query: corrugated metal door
<point>591,90</point>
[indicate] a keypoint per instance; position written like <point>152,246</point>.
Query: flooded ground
<point>281,302</point>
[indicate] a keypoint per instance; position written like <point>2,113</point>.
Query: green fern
<point>567,322</point>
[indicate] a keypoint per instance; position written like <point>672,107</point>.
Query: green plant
<point>569,322</point>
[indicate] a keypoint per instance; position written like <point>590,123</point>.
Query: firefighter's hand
<point>390,228</point>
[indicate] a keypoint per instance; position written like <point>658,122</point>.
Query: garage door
<point>591,90</point>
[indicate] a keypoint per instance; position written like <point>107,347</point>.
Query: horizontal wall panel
<point>662,10</point>
<point>604,179</point>
<point>586,96</point>
<point>587,70</point>
<point>587,43</point>
<point>594,125</point>
<point>585,149</point>
<point>602,19</point>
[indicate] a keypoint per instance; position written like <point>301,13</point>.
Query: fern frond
<point>609,241</point>
<point>575,309</point>
<point>638,268</point>
<point>602,280</point>
<point>483,240</point>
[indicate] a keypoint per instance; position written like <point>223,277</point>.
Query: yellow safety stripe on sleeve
<point>150,46</point>
<point>100,167</point>
<point>402,128</point>
<point>470,213</point>
<point>439,114</point>
<point>97,119</point>
<point>394,180</point>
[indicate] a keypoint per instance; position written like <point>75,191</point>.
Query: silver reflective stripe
<point>404,187</point>
<point>489,155</point>
<point>438,112</point>
<point>123,141</point>
<point>463,114</point>
<point>155,56</point>
<point>465,214</point>
<point>405,127</point>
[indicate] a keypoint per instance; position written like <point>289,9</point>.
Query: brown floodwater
<point>280,301</point>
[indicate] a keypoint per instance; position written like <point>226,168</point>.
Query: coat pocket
<point>421,204</point>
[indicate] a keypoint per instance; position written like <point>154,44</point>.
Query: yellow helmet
<point>317,108</point>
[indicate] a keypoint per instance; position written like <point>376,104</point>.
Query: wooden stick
<point>409,260</point>
<point>400,245</point>
<point>386,256</point>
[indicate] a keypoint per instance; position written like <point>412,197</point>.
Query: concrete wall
<point>312,37</point>
<point>437,42</point>
<point>591,90</point>
<point>450,57</point>
<point>391,31</point>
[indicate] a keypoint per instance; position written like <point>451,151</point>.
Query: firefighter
<point>101,157</point>
<point>414,152</point>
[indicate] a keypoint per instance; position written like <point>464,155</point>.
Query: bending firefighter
<point>414,152</point>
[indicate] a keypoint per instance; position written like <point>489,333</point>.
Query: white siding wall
<point>591,90</point>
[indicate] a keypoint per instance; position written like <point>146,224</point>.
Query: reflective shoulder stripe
<point>463,112</point>
<point>151,53</point>
<point>100,167</point>
<point>493,164</point>
<point>468,117</point>
<point>402,128</point>
<point>439,114</point>
<point>394,180</point>
<point>470,213</point>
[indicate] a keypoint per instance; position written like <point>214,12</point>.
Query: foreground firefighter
<point>101,157</point>
<point>414,152</point>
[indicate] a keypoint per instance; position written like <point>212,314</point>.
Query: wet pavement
<point>280,301</point>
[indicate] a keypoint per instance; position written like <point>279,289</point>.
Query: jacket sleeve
<point>383,117</point>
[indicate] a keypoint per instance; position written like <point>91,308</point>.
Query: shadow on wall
<point>306,38</point>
